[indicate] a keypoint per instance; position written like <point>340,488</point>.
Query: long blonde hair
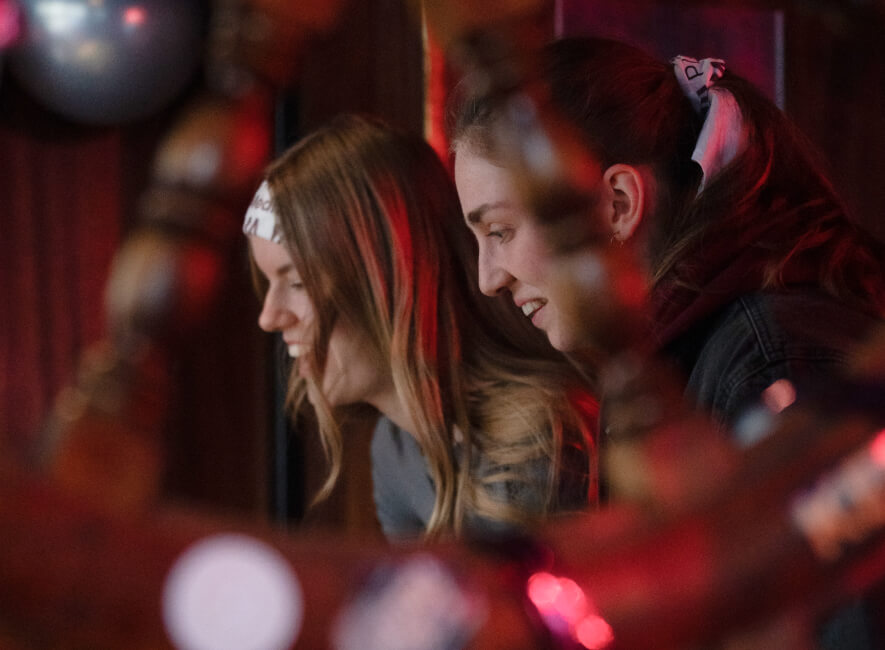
<point>372,222</point>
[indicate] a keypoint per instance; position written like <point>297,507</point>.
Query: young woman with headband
<point>369,276</point>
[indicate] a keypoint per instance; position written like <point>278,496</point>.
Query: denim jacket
<point>730,358</point>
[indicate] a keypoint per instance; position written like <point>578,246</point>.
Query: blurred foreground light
<point>134,16</point>
<point>416,605</point>
<point>877,448</point>
<point>232,592</point>
<point>10,23</point>
<point>847,505</point>
<point>594,632</point>
<point>758,421</point>
<point>779,395</point>
<point>566,610</point>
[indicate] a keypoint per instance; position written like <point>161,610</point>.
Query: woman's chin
<point>562,341</point>
<point>555,338</point>
<point>331,399</point>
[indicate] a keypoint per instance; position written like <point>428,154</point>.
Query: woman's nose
<point>274,316</point>
<point>493,279</point>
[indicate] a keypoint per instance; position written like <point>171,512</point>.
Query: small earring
<point>615,239</point>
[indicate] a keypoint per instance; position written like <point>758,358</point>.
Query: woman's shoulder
<point>772,326</point>
<point>805,320</point>
<point>402,488</point>
<point>392,445</point>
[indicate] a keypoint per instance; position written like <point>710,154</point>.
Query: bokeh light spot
<point>877,448</point>
<point>779,395</point>
<point>134,16</point>
<point>567,610</point>
<point>232,592</point>
<point>594,633</point>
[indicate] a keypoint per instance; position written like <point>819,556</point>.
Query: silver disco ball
<point>107,61</point>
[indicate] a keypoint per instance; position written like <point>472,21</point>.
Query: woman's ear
<point>625,189</point>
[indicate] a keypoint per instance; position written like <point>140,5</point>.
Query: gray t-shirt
<point>402,487</point>
<point>404,492</point>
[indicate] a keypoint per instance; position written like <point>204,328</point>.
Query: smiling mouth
<point>532,306</point>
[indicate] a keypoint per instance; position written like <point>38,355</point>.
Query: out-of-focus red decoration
<point>134,15</point>
<point>438,85</point>
<point>877,448</point>
<point>567,610</point>
<point>594,633</point>
<point>779,395</point>
<point>10,23</point>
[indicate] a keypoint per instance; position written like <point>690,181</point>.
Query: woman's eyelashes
<point>294,281</point>
<point>501,232</point>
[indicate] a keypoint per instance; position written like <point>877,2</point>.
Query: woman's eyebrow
<point>284,269</point>
<point>476,215</point>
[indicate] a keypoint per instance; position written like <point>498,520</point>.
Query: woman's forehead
<point>271,258</point>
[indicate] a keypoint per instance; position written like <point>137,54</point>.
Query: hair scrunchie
<point>722,137</point>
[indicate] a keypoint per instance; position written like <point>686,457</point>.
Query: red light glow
<point>570,602</point>
<point>543,589</point>
<point>779,395</point>
<point>562,601</point>
<point>877,448</point>
<point>10,23</point>
<point>594,633</point>
<point>134,16</point>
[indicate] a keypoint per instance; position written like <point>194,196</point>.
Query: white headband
<point>261,218</point>
<point>722,136</point>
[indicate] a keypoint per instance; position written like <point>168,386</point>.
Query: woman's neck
<point>394,408</point>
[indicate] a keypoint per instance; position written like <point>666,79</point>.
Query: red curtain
<point>60,225</point>
<point>69,194</point>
